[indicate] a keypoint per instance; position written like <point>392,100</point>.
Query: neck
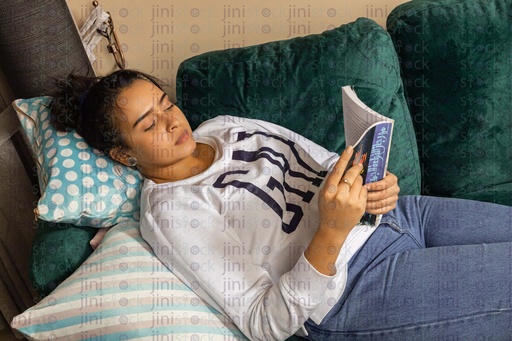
<point>199,161</point>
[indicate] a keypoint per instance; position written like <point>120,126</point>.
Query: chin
<point>193,144</point>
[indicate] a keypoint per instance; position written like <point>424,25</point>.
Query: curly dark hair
<point>89,106</point>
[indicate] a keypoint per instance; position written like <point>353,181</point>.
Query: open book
<point>370,134</point>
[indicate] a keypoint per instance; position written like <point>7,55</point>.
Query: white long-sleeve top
<point>236,233</point>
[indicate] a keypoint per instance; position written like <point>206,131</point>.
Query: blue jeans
<point>435,269</point>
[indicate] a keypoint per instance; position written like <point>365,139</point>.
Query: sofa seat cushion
<point>297,83</point>
<point>455,56</point>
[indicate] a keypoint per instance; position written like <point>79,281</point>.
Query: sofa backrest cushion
<point>456,59</point>
<point>297,83</point>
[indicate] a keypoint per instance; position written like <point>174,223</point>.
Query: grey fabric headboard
<point>38,43</point>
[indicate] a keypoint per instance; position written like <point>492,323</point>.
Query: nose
<point>173,122</point>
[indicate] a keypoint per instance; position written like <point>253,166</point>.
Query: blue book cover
<point>373,132</point>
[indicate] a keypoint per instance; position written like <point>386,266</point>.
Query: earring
<point>132,161</point>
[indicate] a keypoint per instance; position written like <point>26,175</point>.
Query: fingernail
<point>350,149</point>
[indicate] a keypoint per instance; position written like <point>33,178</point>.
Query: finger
<point>378,185</point>
<point>388,181</point>
<point>389,201</point>
<point>355,191</point>
<point>363,192</point>
<point>380,208</point>
<point>357,183</point>
<point>352,174</point>
<point>359,192</point>
<point>384,194</point>
<point>334,177</point>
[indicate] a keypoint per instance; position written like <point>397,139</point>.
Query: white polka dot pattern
<point>80,185</point>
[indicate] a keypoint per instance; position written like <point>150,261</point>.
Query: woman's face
<point>156,130</point>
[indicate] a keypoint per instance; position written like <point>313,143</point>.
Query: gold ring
<point>347,182</point>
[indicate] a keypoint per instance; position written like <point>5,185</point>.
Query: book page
<point>357,116</point>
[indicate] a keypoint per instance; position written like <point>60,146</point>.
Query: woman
<point>262,224</point>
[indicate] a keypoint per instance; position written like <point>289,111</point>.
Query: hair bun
<point>68,101</point>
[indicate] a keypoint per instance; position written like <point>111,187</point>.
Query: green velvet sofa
<point>456,63</point>
<point>442,70</point>
<point>453,58</point>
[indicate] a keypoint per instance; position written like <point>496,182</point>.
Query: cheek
<point>156,147</point>
<point>153,150</point>
<point>126,135</point>
<point>141,145</point>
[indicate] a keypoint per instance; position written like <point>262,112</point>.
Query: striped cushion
<point>122,291</point>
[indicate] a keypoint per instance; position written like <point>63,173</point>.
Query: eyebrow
<point>143,116</point>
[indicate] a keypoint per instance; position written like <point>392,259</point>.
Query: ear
<point>120,155</point>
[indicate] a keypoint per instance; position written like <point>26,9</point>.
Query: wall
<point>157,35</point>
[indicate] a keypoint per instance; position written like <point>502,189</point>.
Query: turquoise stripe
<point>93,274</point>
<point>91,264</point>
<point>174,286</point>
<point>159,332</point>
<point>96,317</point>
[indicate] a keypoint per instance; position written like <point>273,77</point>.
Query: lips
<point>184,136</point>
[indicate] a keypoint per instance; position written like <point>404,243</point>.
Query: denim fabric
<point>435,269</point>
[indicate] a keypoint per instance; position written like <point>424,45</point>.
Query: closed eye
<point>151,126</point>
<point>170,107</point>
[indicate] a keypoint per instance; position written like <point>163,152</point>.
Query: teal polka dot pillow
<point>79,185</point>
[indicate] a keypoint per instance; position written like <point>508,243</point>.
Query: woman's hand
<point>341,203</point>
<point>382,195</point>
<point>342,200</point>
